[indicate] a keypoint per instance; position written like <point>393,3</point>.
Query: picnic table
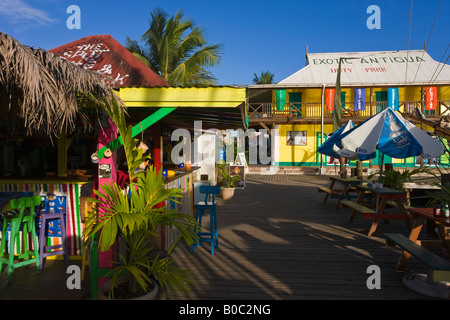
<point>435,282</point>
<point>420,215</point>
<point>342,193</point>
<point>376,211</point>
<point>419,185</point>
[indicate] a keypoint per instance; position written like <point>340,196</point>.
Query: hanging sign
<point>281,99</point>
<point>430,98</point>
<point>104,171</point>
<point>329,98</point>
<point>360,99</point>
<point>392,102</point>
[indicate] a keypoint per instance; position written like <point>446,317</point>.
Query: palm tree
<point>265,78</point>
<point>176,50</point>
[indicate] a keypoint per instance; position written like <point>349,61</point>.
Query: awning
<point>178,97</point>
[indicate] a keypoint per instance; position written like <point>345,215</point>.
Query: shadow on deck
<point>277,242</point>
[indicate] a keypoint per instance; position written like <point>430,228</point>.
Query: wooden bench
<point>357,207</point>
<point>395,205</point>
<point>329,192</point>
<point>439,267</point>
<point>334,194</point>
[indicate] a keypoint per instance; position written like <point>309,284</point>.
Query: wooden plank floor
<point>50,284</point>
<point>277,242</point>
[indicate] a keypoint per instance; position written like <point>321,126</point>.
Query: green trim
<point>78,218</point>
<point>137,129</point>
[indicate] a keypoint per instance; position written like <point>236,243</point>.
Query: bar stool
<point>47,216</point>
<point>209,204</point>
<point>23,218</point>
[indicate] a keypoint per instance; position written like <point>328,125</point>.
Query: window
<point>296,138</point>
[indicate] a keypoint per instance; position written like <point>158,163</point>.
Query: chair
<point>24,218</point>
<point>209,204</point>
<point>47,216</point>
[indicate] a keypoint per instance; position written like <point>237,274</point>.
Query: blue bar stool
<point>209,204</point>
<point>47,251</point>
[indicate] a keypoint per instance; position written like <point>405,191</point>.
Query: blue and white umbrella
<point>392,135</point>
<point>328,147</point>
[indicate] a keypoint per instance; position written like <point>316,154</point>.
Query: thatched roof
<point>41,89</point>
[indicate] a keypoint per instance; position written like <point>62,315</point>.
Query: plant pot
<point>227,193</point>
<point>103,294</point>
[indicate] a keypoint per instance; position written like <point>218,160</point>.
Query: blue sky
<point>257,35</point>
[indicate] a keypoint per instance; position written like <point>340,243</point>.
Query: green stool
<point>25,218</point>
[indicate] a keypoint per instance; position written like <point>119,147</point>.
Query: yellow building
<point>300,107</point>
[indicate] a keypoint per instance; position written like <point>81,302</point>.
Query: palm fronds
<point>41,88</point>
<point>176,50</point>
<point>265,77</point>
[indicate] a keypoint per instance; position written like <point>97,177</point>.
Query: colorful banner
<point>430,98</point>
<point>52,202</point>
<point>329,99</point>
<point>281,99</point>
<point>360,99</point>
<point>392,96</point>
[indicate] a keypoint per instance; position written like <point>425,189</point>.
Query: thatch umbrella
<point>41,88</point>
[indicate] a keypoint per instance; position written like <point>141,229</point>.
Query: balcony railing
<point>313,110</point>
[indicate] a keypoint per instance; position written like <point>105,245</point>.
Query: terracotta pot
<point>103,294</point>
<point>227,193</point>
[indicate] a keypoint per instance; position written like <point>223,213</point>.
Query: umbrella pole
<point>341,165</point>
<point>381,169</point>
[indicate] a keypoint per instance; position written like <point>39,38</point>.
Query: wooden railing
<point>313,110</point>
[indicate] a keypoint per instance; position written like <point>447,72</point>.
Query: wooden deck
<point>277,242</point>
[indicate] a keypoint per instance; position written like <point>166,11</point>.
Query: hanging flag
<point>430,98</point>
<point>281,99</point>
<point>392,102</point>
<point>329,98</point>
<point>360,99</point>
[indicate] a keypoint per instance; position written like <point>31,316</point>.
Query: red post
<point>107,171</point>
<point>157,152</point>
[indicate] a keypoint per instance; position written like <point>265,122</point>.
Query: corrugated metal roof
<point>102,53</point>
<point>394,68</point>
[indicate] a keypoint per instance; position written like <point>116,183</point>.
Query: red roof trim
<point>117,57</point>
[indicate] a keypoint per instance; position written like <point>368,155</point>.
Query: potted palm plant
<point>229,181</point>
<point>133,216</point>
<point>395,179</point>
